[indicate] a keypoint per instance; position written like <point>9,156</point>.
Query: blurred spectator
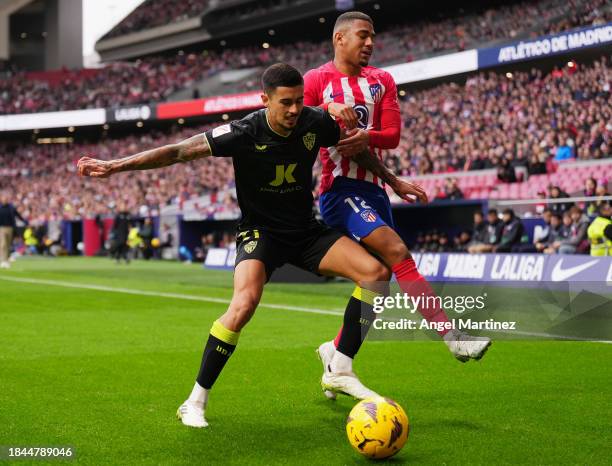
<point>558,207</point>
<point>555,233</point>
<point>512,232</point>
<point>479,232</point>
<point>600,232</point>
<point>561,234</point>
<point>540,235</point>
<point>452,190</point>
<point>505,172</point>
<point>600,191</point>
<point>537,164</point>
<point>462,242</point>
<point>8,216</point>
<point>443,243</point>
<point>119,236</point>
<point>146,233</point>
<point>576,242</point>
<point>493,236</point>
<point>565,148</point>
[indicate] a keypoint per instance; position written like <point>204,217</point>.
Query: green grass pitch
<point>104,371</point>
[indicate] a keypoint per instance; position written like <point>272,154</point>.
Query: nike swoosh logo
<point>333,96</point>
<point>560,274</point>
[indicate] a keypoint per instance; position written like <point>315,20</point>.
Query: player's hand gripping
<point>406,190</point>
<point>95,168</point>
<point>357,140</point>
<point>344,112</point>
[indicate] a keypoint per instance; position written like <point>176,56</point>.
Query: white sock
<point>341,363</point>
<point>199,396</point>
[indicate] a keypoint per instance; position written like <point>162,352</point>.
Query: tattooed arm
<point>361,155</point>
<point>403,189</point>
<point>185,151</point>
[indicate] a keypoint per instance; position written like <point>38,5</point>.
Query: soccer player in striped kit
<point>353,199</point>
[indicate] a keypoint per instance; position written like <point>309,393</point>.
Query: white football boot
<point>325,352</point>
<point>191,415</point>
<point>465,347</point>
<point>345,383</point>
<point>5,265</point>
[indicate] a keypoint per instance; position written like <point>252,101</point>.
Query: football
<point>377,427</point>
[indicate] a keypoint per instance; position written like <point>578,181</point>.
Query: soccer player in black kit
<point>273,152</point>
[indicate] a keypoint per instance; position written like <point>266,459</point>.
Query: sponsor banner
<point>492,268</point>
<point>134,113</point>
<point>545,46</point>
<point>210,105</point>
<point>220,258</point>
<point>436,67</point>
<point>96,116</point>
<point>514,267</point>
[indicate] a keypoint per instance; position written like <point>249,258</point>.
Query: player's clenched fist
<point>94,167</point>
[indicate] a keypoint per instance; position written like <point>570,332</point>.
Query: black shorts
<point>304,248</point>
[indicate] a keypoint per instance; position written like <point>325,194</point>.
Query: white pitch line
<point>210,299</point>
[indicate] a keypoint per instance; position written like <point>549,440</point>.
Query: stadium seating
<point>153,13</point>
<point>438,133</point>
<point>121,83</point>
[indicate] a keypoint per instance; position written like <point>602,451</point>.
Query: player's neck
<point>346,68</point>
<point>277,129</point>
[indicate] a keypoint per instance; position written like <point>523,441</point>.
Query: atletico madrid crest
<point>368,216</point>
<point>376,91</point>
<point>309,140</point>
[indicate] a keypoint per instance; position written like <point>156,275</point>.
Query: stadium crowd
<point>154,79</point>
<point>152,13</point>
<point>524,122</point>
<point>523,119</point>
<point>44,182</point>
<point>565,229</point>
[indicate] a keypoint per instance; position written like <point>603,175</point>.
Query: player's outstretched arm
<point>190,149</point>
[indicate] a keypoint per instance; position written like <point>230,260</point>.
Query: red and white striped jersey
<point>371,94</point>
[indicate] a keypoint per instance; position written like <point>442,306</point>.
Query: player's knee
<point>395,253</point>
<point>374,271</point>
<point>242,309</point>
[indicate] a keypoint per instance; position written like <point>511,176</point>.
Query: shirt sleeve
<point>388,136</point>
<point>328,130</point>
<point>226,140</point>
<point>312,96</point>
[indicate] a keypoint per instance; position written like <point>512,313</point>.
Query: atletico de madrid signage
<point>210,106</point>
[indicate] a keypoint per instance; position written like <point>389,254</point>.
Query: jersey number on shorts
<point>361,202</point>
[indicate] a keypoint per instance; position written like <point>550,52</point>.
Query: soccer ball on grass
<point>377,427</point>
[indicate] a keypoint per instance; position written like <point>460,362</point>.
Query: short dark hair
<point>492,211</point>
<point>350,16</point>
<point>508,212</point>
<point>280,75</point>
